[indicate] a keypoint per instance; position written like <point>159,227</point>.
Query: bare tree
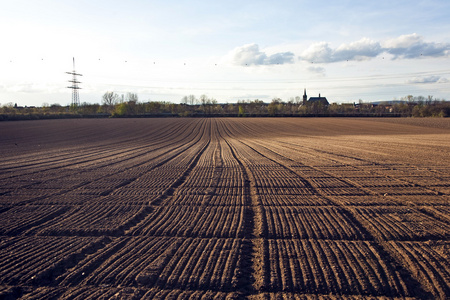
<point>203,99</point>
<point>191,100</point>
<point>110,98</point>
<point>132,97</point>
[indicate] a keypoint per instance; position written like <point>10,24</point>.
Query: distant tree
<point>132,97</point>
<point>8,108</point>
<point>420,100</point>
<point>253,107</point>
<point>55,108</point>
<point>45,107</point>
<point>241,111</point>
<point>203,99</point>
<point>217,108</point>
<point>191,100</point>
<point>274,106</point>
<point>206,103</point>
<point>110,98</point>
<point>154,107</point>
<point>87,108</point>
<point>230,108</point>
<point>120,109</point>
<point>318,108</point>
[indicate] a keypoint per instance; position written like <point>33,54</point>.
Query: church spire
<point>305,98</point>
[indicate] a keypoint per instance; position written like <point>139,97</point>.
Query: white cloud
<point>251,55</point>
<point>408,46</point>
<point>413,46</point>
<point>280,58</point>
<point>428,79</point>
<point>405,46</point>
<point>318,52</point>
<point>246,96</point>
<point>359,50</point>
<point>32,88</point>
<point>317,70</point>
<point>403,41</point>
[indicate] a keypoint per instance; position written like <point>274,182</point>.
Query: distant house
<point>312,100</point>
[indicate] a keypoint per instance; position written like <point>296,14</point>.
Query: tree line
<point>128,105</point>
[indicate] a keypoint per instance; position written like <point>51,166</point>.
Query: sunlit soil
<point>267,208</point>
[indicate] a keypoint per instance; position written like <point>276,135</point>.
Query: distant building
<point>305,98</point>
<point>312,100</point>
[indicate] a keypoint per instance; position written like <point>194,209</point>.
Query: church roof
<point>318,99</point>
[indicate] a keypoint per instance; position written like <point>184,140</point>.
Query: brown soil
<point>225,208</point>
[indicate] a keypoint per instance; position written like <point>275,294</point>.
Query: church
<point>312,100</point>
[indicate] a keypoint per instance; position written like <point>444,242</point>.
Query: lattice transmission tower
<point>74,86</point>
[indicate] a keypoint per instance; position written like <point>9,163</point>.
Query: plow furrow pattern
<point>323,267</point>
<point>94,220</point>
<point>93,293</point>
<point>20,218</point>
<point>101,181</point>
<point>194,221</point>
<point>292,200</point>
<point>428,263</point>
<point>38,260</point>
<point>401,223</point>
<point>310,223</point>
<point>171,263</point>
<point>208,200</point>
<point>232,208</point>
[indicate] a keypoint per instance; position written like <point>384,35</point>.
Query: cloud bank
<point>406,46</point>
<point>428,79</point>
<point>410,46</point>
<point>317,70</point>
<point>250,54</point>
<point>359,50</point>
<point>413,46</point>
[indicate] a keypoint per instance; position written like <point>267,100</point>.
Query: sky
<point>228,50</point>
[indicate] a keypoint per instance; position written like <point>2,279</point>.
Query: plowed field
<point>225,209</point>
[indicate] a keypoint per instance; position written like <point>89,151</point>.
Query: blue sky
<point>228,50</point>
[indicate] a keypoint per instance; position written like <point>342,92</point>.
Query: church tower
<point>305,98</point>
